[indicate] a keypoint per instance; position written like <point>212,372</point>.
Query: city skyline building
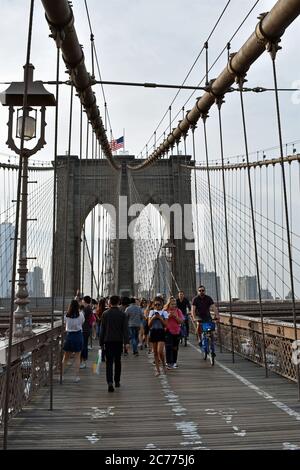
<point>35,282</point>
<point>208,279</point>
<point>247,288</point>
<point>7,231</point>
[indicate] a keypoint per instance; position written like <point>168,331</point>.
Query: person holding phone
<point>157,321</point>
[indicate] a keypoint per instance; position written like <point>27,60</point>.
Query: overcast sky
<point>154,41</point>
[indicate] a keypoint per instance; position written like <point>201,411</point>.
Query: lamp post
<point>26,121</point>
<point>169,248</point>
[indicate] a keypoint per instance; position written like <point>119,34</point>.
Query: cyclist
<point>201,306</point>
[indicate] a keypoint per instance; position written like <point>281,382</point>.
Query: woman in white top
<point>157,321</point>
<point>74,338</point>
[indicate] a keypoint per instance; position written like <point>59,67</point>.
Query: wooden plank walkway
<point>197,406</point>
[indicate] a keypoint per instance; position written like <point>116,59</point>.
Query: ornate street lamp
<point>37,96</point>
<point>168,248</point>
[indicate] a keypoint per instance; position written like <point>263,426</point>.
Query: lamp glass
<point>29,128</point>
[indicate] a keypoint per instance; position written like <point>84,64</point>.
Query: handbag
<point>97,363</point>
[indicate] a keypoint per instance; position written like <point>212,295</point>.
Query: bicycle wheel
<point>210,353</point>
<point>204,346</point>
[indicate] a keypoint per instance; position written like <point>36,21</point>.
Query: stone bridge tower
<point>92,182</point>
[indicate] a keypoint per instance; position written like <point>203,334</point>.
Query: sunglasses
<point>201,290</point>
<point>157,305</point>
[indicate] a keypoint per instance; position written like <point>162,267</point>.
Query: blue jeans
<point>134,337</point>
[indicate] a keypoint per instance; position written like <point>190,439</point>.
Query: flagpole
<point>111,139</point>
<point>124,139</point>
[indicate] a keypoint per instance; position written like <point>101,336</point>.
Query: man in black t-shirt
<point>201,305</point>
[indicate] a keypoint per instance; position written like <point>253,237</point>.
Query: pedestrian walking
<point>135,317</point>
<point>157,321</point>
<point>74,339</point>
<point>184,305</point>
<point>113,334</point>
<point>175,319</point>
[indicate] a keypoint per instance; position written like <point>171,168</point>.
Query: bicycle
<point>207,343</point>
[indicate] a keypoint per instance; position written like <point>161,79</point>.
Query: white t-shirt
<point>157,324</point>
<point>74,324</point>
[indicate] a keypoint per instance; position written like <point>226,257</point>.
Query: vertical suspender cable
<point>92,234</point>
<point>13,279</point>
<point>219,101</point>
<point>53,265</point>
<point>83,230</point>
<point>98,253</point>
<point>206,62</point>
<point>267,214</point>
<point>204,117</point>
<point>67,190</point>
<point>274,48</point>
<point>196,205</point>
<point>274,238</point>
<point>80,196</point>
<point>241,81</point>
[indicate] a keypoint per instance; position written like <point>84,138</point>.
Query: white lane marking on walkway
<point>279,404</point>
<point>188,429</point>
<point>239,432</point>
<point>151,446</point>
<point>290,446</point>
<point>93,438</point>
<point>227,415</point>
<point>189,432</point>
<point>97,413</point>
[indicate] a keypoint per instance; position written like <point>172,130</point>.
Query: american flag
<point>117,144</point>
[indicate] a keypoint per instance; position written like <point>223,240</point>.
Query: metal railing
<point>248,342</point>
<point>30,369</point>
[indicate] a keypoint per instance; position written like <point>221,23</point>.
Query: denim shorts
<point>73,341</point>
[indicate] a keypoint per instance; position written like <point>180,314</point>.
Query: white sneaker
<point>175,366</point>
<point>83,365</point>
<point>77,379</point>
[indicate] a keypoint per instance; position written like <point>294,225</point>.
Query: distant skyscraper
<point>247,286</point>
<point>208,279</point>
<point>7,232</point>
<point>199,274</point>
<point>266,294</point>
<point>35,283</point>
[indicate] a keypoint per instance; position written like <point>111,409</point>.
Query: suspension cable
<point>204,118</point>
<point>14,264</point>
<point>67,191</point>
<point>273,48</point>
<point>53,265</point>
<point>191,69</point>
<point>219,102</point>
<point>241,80</point>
